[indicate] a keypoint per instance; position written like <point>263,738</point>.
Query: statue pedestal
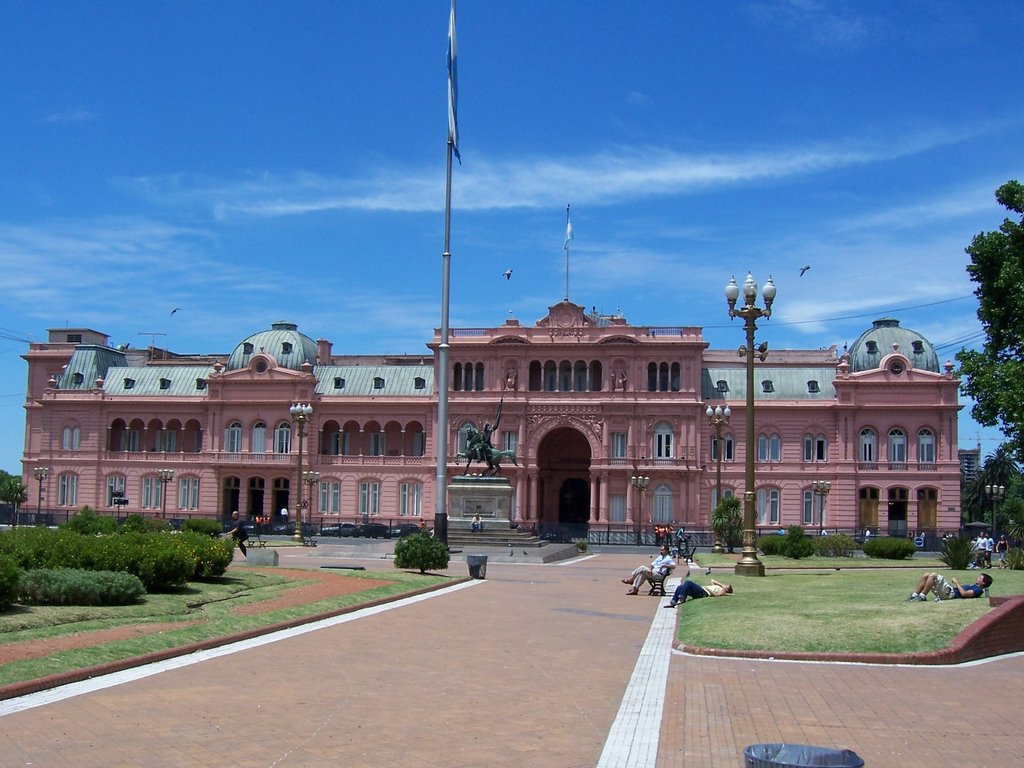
<point>489,497</point>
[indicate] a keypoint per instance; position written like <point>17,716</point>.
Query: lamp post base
<point>750,568</point>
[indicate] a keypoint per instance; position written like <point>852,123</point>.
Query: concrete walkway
<point>539,665</point>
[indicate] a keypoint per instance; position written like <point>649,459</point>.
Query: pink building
<point>588,401</point>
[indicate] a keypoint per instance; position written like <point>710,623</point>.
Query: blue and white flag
<point>568,229</point>
<point>453,87</point>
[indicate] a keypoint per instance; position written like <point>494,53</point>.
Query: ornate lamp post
<point>749,565</point>
<point>164,476</point>
<point>40,474</point>
<point>821,489</point>
<point>718,417</point>
<point>300,415</point>
<point>996,493</point>
<point>641,483</point>
<point>311,478</point>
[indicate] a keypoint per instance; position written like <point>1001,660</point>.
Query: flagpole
<point>568,237</point>
<point>444,349</point>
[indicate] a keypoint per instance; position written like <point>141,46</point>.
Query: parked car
<point>338,529</point>
<point>404,529</point>
<point>373,531</point>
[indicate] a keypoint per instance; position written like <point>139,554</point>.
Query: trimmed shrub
<point>73,586</point>
<point>421,551</point>
<point>203,526</point>
<point>138,524</point>
<point>957,553</point>
<point>795,544</point>
<point>836,545</point>
<point>582,545</point>
<point>211,556</point>
<point>890,548</point>
<point>771,544</point>
<point>88,523</point>
<point>10,575</point>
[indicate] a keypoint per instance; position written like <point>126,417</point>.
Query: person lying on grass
<point>948,589</point>
<point>694,590</point>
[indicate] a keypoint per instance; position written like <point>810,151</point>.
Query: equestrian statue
<point>479,448</point>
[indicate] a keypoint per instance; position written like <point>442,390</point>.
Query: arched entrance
<point>563,498</point>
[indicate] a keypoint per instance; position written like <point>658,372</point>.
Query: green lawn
<point>848,610</point>
<point>204,610</point>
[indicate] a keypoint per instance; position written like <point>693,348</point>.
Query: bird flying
<point>804,269</point>
<point>508,274</point>
<point>175,310</point>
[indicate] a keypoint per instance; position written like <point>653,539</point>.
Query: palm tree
<point>14,492</point>
<point>999,468</point>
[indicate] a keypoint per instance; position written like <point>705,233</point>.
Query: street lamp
<point>996,493</point>
<point>749,565</point>
<point>300,415</point>
<point>641,483</point>
<point>40,473</point>
<point>311,478</point>
<point>821,489</point>
<point>718,417</point>
<point>164,476</point>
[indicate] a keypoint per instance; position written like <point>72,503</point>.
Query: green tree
<point>421,551</point>
<point>727,522</point>
<point>994,375</point>
<point>14,492</point>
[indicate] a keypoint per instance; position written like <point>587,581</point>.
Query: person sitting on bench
<point>661,565</point>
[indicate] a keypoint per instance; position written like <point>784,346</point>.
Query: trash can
<point>477,566</point>
<point>799,756</point>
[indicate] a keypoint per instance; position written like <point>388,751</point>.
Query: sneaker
<point>922,598</point>
<point>912,598</point>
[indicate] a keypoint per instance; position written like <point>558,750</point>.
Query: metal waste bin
<point>799,756</point>
<point>477,566</point>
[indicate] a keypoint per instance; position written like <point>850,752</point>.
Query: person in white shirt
<point>662,565</point>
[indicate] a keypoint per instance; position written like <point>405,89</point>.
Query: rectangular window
<point>768,503</point>
<point>663,445</point>
<point>808,508</point>
<point>150,493</point>
<point>132,440</point>
<point>67,490</point>
<point>820,449</point>
<point>419,443</point>
<point>369,499</point>
<point>618,445</point>
<point>410,499</point>
<point>730,448</point>
<point>330,497</point>
<point>377,443</point>
<point>115,485</point>
<point>617,508</point>
<point>72,439</point>
<point>509,440</point>
<point>188,493</point>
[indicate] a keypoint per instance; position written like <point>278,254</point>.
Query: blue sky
<point>253,162</point>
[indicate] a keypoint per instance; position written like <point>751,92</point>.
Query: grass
<point>706,558</point>
<point>204,610</point>
<point>849,611</point>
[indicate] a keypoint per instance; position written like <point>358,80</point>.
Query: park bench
<point>308,541</point>
<point>658,582</point>
<point>256,541</point>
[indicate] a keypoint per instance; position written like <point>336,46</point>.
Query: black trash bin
<point>477,566</point>
<point>799,756</point>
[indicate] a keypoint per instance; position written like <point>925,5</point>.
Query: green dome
<point>283,342</point>
<point>867,351</point>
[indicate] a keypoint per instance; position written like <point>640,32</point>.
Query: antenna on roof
<point>152,336</point>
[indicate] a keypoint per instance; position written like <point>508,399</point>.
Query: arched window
<point>868,446</point>
<point>72,439</point>
<point>661,512</point>
<point>663,439</point>
<point>925,447</point>
<point>283,438</point>
<point>259,438</point>
<point>897,447</point>
<point>550,376</point>
<point>233,437</point>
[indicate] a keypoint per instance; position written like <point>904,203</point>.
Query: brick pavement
<point>526,669</point>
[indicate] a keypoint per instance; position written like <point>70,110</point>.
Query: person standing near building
<point>238,532</point>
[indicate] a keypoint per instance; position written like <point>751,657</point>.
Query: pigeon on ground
<point>804,269</point>
<point>708,571</point>
<point>508,274</point>
<point>511,552</point>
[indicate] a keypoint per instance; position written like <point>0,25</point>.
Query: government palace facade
<point>587,401</point>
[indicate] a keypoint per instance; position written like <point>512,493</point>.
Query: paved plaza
<point>538,665</point>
